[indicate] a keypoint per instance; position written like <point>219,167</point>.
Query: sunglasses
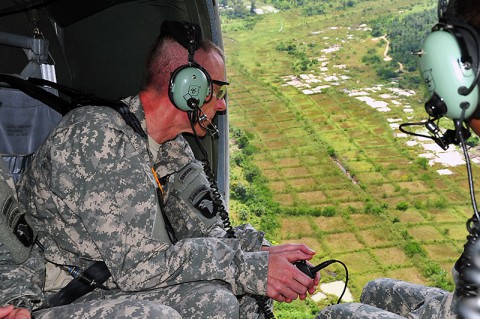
<point>223,89</point>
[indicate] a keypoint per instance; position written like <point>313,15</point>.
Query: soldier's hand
<point>285,282</point>
<point>10,312</point>
<point>289,249</point>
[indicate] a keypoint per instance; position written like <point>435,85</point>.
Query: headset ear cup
<point>189,87</point>
<point>443,68</point>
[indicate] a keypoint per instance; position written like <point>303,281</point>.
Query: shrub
<point>422,162</point>
<point>329,211</point>
<point>239,191</point>
<point>403,206</point>
<point>413,248</point>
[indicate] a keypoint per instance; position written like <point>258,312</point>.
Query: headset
<point>190,85</point>
<point>448,63</point>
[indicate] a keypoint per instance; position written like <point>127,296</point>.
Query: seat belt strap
<point>79,99</point>
<point>36,92</point>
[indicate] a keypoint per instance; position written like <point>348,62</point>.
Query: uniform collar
<point>173,155</point>
<point>135,106</point>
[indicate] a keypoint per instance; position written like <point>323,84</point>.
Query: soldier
<point>22,272</point>
<point>99,191</point>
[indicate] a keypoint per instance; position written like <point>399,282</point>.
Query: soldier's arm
<point>93,193</point>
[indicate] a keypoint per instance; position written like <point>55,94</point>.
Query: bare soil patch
<point>375,237</point>
<point>330,224</point>
<point>342,242</point>
<point>425,233</point>
<point>312,197</point>
<point>392,256</point>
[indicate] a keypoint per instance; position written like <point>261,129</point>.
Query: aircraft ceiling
<point>99,46</point>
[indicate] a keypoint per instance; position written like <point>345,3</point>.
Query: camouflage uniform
<point>103,309</point>
<point>21,285</point>
<point>387,298</point>
<point>92,196</point>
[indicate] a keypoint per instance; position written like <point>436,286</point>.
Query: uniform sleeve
<point>95,197</point>
<point>191,209</point>
<point>21,285</point>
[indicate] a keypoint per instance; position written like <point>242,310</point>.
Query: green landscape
<point>318,91</point>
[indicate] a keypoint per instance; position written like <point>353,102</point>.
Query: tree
<point>253,6</point>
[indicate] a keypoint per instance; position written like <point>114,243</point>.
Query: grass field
<point>340,147</point>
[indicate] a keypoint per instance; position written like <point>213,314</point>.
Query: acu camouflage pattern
<point>108,309</point>
<point>92,196</point>
<point>21,285</point>
<point>188,199</point>
<point>206,299</point>
<point>387,298</point>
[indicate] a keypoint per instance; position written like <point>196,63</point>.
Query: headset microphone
<point>210,127</point>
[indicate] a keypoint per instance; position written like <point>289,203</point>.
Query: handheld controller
<point>312,271</point>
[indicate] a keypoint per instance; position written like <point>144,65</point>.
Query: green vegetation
<point>301,61</point>
<point>405,34</point>
<point>249,190</point>
<point>312,162</point>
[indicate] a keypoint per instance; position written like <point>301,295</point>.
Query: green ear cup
<point>189,87</point>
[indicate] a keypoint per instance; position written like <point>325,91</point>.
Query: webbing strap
<point>36,92</point>
<point>32,87</point>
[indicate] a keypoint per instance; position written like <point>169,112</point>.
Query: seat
<point>25,122</point>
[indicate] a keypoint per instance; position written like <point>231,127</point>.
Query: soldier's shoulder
<point>93,115</point>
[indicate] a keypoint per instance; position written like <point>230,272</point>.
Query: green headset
<point>448,63</point>
<point>190,84</point>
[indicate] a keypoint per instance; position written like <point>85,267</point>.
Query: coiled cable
<point>468,265</point>
<point>262,301</point>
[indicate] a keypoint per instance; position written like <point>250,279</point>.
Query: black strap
<point>36,92</point>
<point>93,277</point>
<point>32,87</point>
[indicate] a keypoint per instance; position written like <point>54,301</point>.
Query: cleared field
<point>331,149</point>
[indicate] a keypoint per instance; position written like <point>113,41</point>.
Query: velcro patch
<point>202,200</point>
